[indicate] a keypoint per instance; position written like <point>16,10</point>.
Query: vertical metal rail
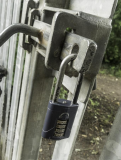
<point>17,147</point>
<point>5,49</point>
<point>26,125</point>
<point>112,149</point>
<point>0,10</point>
<point>6,17</point>
<point>63,149</point>
<point>0,62</point>
<point>17,59</point>
<point>34,109</point>
<point>31,109</point>
<point>3,20</point>
<point>12,11</point>
<point>0,86</point>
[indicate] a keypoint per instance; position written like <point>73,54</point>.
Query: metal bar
<point>114,8</point>
<point>45,30</point>
<point>77,90</point>
<point>16,6</point>
<point>36,100</point>
<point>95,7</point>
<point>3,19</point>
<point>57,4</point>
<point>61,75</point>
<point>14,102</point>
<point>18,28</point>
<point>30,61</point>
<point>16,147</point>
<point>112,149</point>
<point>53,9</point>
<point>30,141</point>
<point>3,14</point>
<point>0,9</point>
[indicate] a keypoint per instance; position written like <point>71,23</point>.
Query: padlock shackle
<point>62,69</point>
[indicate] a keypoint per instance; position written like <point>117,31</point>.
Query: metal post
<point>112,149</point>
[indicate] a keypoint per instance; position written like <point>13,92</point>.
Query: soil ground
<point>98,119</point>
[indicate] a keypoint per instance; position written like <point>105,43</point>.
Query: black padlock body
<point>59,119</point>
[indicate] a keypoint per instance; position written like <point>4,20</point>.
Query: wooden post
<point>32,84</point>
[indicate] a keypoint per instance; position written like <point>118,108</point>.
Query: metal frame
<point>34,85</point>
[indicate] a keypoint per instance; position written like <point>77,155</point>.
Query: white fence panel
<point>10,14</point>
<point>5,49</point>
<point>6,17</point>
<point>12,101</point>
<point>21,107</point>
<point>3,21</point>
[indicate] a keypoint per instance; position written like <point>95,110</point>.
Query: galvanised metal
<point>96,29</point>
<point>32,5</point>
<point>89,26</point>
<point>86,48</point>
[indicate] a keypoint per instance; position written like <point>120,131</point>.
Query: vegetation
<point>113,52</point>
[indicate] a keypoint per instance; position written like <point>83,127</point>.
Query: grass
<point>111,70</point>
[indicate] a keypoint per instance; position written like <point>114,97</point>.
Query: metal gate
<point>27,87</point>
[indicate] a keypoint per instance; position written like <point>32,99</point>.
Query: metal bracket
<point>62,21</point>
<point>85,53</point>
<point>85,50</point>
<point>91,27</point>
<point>33,5</point>
<point>59,42</point>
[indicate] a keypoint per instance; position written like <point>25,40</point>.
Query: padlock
<point>61,113</point>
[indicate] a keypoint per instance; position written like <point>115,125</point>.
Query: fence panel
<point>5,49</point>
<point>11,14</point>
<point>27,88</point>
<point>2,25</point>
<point>95,7</point>
<point>16,59</point>
<point>63,149</point>
<point>3,21</point>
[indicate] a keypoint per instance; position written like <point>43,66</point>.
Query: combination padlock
<point>61,113</point>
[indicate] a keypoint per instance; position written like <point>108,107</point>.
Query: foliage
<point>113,52</point>
<point>110,70</point>
<point>63,92</point>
